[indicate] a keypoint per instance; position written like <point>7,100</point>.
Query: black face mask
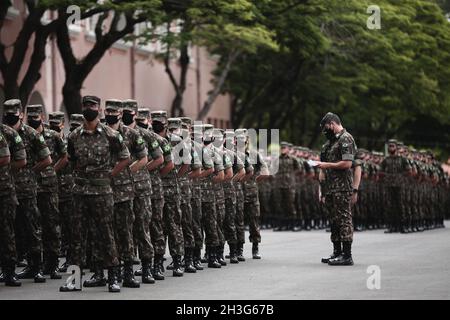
<point>55,128</point>
<point>157,126</point>
<point>111,119</point>
<point>10,119</point>
<point>329,134</point>
<point>34,123</point>
<point>127,118</point>
<point>89,114</point>
<point>142,125</point>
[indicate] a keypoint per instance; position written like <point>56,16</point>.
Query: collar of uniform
<point>98,128</point>
<point>340,133</point>
<point>21,127</point>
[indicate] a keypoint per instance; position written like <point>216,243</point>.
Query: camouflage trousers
<point>220,214</point>
<point>229,227</point>
<point>209,222</point>
<point>251,211</point>
<point>239,220</point>
<point>156,226</point>
<point>123,229</point>
<point>172,226</point>
<point>51,229</point>
<point>286,203</point>
<point>339,208</point>
<point>28,228</point>
<point>65,210</point>
<point>141,229</point>
<point>8,256</point>
<point>392,200</point>
<point>94,213</point>
<point>187,223</point>
<point>196,205</point>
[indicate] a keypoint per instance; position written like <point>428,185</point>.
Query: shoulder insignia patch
<point>119,136</point>
<point>155,144</point>
<point>41,139</point>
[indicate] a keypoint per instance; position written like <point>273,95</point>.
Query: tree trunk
<point>219,84</point>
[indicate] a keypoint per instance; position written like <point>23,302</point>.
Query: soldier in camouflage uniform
<point>124,192</point>
<point>172,201</point>
<point>337,158</point>
<point>240,141</point>
<point>288,168</point>
<point>208,195</point>
<point>28,219</point>
<point>157,169</point>
<point>188,165</point>
<point>229,225</point>
<point>91,148</point>
<point>12,156</point>
<point>196,201</point>
<point>218,141</point>
<point>393,169</point>
<point>65,185</point>
<point>251,200</point>
<point>143,189</point>
<point>48,191</point>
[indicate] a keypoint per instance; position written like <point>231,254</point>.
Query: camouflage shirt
<point>65,180</point>
<point>287,167</point>
<point>238,165</point>
<point>169,182</point>
<point>91,154</point>
<point>142,180</point>
<point>250,186</point>
<point>209,157</point>
<point>16,151</point>
<point>157,188</point>
<point>47,179</point>
<point>394,168</point>
<point>36,150</point>
<point>341,148</point>
<point>122,184</point>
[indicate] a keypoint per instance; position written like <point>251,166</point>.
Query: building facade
<point>126,71</point>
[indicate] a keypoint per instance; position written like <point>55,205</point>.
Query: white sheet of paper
<point>312,163</point>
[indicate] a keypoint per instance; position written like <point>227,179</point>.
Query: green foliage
<point>381,82</point>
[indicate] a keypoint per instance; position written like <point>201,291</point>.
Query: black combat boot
<point>146,272</point>
<point>9,277</point>
<point>345,259</point>
<point>255,251</point>
<point>170,266</point>
<point>197,258</point>
<point>295,226</point>
<point>37,269</point>
<point>337,251</point>
<point>2,277</point>
<point>233,255</point>
<point>307,225</point>
<point>212,262</point>
<point>64,267</point>
<point>157,272</point>
<point>219,255</point>
<point>113,284</point>
<point>26,273</point>
<point>71,287</point>
<point>97,279</point>
<point>128,277</point>
<point>177,268</point>
<point>51,268</point>
<point>205,256</point>
<point>188,261</point>
<point>240,252</point>
<point>316,224</point>
<point>138,272</point>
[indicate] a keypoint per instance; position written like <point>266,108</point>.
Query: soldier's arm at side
<point>218,177</point>
<point>195,173</point>
<point>4,161</point>
<point>239,175</point>
<point>62,162</point>
<point>42,164</point>
<point>138,164</point>
<point>155,163</point>
<point>228,174</point>
<point>184,168</point>
<point>123,153</point>
<point>167,168</point>
<point>206,172</point>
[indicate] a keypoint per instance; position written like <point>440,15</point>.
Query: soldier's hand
<point>354,198</point>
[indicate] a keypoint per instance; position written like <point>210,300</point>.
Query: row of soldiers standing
<point>406,191</point>
<point>119,188</point>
